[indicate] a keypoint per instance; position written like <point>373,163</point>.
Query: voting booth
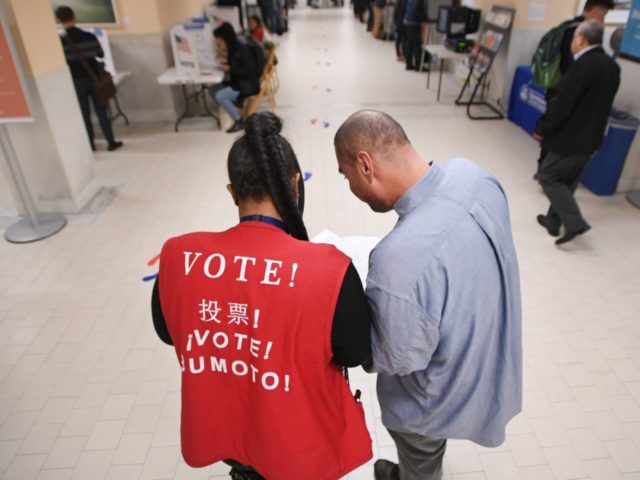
<point>193,48</point>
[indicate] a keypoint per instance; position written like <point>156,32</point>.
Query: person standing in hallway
<point>444,295</point>
<point>262,341</point>
<point>415,14</point>
<point>89,47</point>
<point>593,10</point>
<point>573,127</point>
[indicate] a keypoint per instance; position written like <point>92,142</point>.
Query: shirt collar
<point>582,52</point>
<point>422,190</point>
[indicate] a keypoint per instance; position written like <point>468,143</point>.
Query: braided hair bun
<point>262,162</point>
<point>264,124</point>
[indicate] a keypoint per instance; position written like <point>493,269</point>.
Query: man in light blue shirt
<point>444,292</point>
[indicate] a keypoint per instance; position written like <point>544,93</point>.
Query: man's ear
<point>233,194</point>
<point>364,165</point>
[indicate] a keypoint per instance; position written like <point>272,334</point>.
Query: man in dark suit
<point>593,10</point>
<point>573,128</point>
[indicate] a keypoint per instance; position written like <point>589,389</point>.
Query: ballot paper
<point>356,247</point>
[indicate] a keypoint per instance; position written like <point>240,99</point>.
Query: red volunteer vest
<point>250,312</point>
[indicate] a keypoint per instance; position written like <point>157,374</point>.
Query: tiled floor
<point>87,391</point>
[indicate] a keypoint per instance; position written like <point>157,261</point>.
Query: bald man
<point>444,292</point>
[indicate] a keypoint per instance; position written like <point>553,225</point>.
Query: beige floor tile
<point>132,449</point>
<point>93,464</point>
<point>499,466</point>
<point>124,472</point>
<point>565,462</point>
<point>24,467</point>
<point>40,439</point>
<point>66,452</point>
<point>587,444</point>
<point>603,469</point>
<point>161,462</point>
<point>106,435</point>
<point>55,474</point>
<point>625,454</point>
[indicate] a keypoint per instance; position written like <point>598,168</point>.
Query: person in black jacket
<point>593,10</point>
<point>573,128</point>
<point>242,79</point>
<point>87,45</point>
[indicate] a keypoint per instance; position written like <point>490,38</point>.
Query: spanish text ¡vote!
<point>215,265</point>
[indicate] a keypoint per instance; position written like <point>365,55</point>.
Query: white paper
<point>537,10</point>
<point>357,248</point>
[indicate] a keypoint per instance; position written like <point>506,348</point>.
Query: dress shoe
<point>386,470</point>
<point>114,146</point>
<point>236,127</point>
<point>567,237</point>
<point>544,221</point>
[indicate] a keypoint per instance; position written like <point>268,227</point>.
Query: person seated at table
<point>257,29</point>
<point>241,76</point>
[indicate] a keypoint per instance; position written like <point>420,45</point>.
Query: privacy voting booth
<point>195,64</point>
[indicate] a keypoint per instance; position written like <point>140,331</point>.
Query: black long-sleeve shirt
<point>350,331</point>
<point>89,48</point>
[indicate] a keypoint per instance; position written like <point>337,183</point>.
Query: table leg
<point>186,107</point>
<point>119,110</point>
<point>440,80</point>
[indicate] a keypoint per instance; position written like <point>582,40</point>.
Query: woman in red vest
<point>262,322</point>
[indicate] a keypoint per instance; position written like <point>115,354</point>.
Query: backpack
<point>546,61</point>
<point>257,51</point>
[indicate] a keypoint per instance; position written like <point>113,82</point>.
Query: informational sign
<point>630,47</point>
<point>537,10</point>
<point>14,106</point>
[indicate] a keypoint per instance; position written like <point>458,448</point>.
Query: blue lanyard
<point>264,218</point>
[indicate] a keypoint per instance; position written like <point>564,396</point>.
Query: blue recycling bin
<point>602,173</point>
<point>526,102</point>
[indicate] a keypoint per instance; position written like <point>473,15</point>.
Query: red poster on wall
<point>14,106</point>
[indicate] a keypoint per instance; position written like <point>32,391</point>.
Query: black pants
<point>559,176</point>
<point>84,90</point>
<point>242,472</point>
<point>400,40</point>
<point>413,45</point>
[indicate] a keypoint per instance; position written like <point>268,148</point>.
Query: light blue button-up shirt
<point>444,290</point>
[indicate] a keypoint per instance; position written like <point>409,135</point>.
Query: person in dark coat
<point>593,10</point>
<point>86,44</point>
<point>242,79</point>
<point>573,127</point>
<point>399,11</point>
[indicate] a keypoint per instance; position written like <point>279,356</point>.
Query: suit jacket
<point>576,117</point>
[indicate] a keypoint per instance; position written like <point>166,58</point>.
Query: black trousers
<point>559,176</point>
<point>400,39</point>
<point>413,45</point>
<point>84,91</point>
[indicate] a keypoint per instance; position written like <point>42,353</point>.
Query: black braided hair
<point>262,162</point>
